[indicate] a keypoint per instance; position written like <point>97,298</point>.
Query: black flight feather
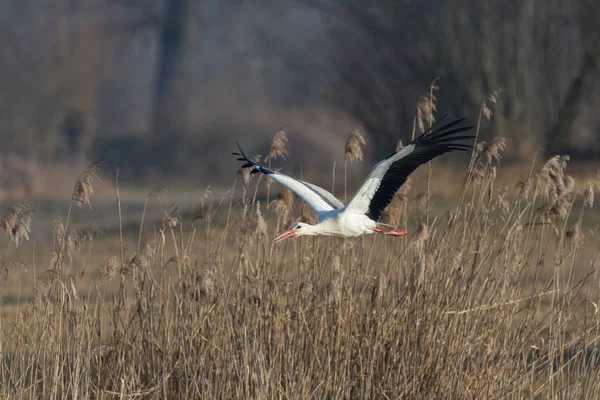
<point>251,163</point>
<point>435,141</point>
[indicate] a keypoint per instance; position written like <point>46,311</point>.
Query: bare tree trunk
<point>170,94</point>
<point>557,138</point>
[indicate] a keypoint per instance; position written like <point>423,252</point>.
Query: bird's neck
<point>322,228</point>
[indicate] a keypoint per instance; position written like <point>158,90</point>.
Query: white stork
<point>360,216</point>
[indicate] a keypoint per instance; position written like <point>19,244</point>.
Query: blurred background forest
<point>164,88</point>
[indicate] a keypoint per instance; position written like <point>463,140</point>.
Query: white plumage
<point>361,214</point>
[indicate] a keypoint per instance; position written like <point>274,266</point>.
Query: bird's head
<point>297,229</point>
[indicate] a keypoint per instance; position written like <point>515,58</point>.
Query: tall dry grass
<point>492,299</point>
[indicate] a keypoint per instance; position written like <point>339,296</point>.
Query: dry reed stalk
<point>206,292</point>
<point>307,215</point>
<point>73,240</point>
<point>84,189</point>
<point>277,150</point>
<point>246,175</point>
<point>473,169</point>
<point>261,225</point>
<point>122,251</point>
<point>574,233</point>
<point>492,99</point>
<point>496,305</point>
<point>502,201</point>
<point>40,289</point>
<point>556,188</point>
<point>16,223</point>
<point>253,231</point>
<point>392,214</point>
<point>82,193</point>
<point>588,197</point>
<point>422,232</point>
<point>353,152</point>
<point>155,193</point>
<point>487,154</point>
<point>422,200</point>
<point>284,205</point>
<point>425,109</point>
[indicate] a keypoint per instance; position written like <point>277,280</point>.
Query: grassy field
<point>494,294</point>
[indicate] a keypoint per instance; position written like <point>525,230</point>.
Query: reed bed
<point>492,298</point>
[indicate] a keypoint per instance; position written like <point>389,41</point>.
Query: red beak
<point>286,235</point>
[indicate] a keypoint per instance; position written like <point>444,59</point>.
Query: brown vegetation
<point>495,298</point>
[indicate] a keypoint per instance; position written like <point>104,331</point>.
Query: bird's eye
<point>298,227</point>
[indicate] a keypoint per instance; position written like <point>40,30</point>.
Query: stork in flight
<point>360,216</point>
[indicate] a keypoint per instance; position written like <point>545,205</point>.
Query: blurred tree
<point>170,96</point>
<point>54,60</point>
<point>174,22</point>
<point>78,130</point>
<point>587,16</point>
<point>386,52</point>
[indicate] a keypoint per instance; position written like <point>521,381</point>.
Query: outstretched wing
<point>316,197</point>
<point>384,180</point>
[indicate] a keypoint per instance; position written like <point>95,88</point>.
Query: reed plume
<point>16,222</point>
<point>261,224</point>
<point>9,267</point>
<point>73,240</point>
<point>491,99</point>
<point>422,200</point>
<point>487,154</point>
<point>353,152</point>
<point>556,188</point>
<point>588,195</point>
<point>245,174</point>
<point>426,106</point>
<point>354,143</point>
<point>84,190</point>
<point>110,270</point>
<point>493,149</point>
<point>574,233</point>
<point>422,232</point>
<point>40,289</point>
<point>277,150</point>
<point>82,193</point>
<point>278,146</point>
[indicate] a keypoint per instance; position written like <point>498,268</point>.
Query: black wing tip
<point>249,163</point>
<point>440,133</point>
